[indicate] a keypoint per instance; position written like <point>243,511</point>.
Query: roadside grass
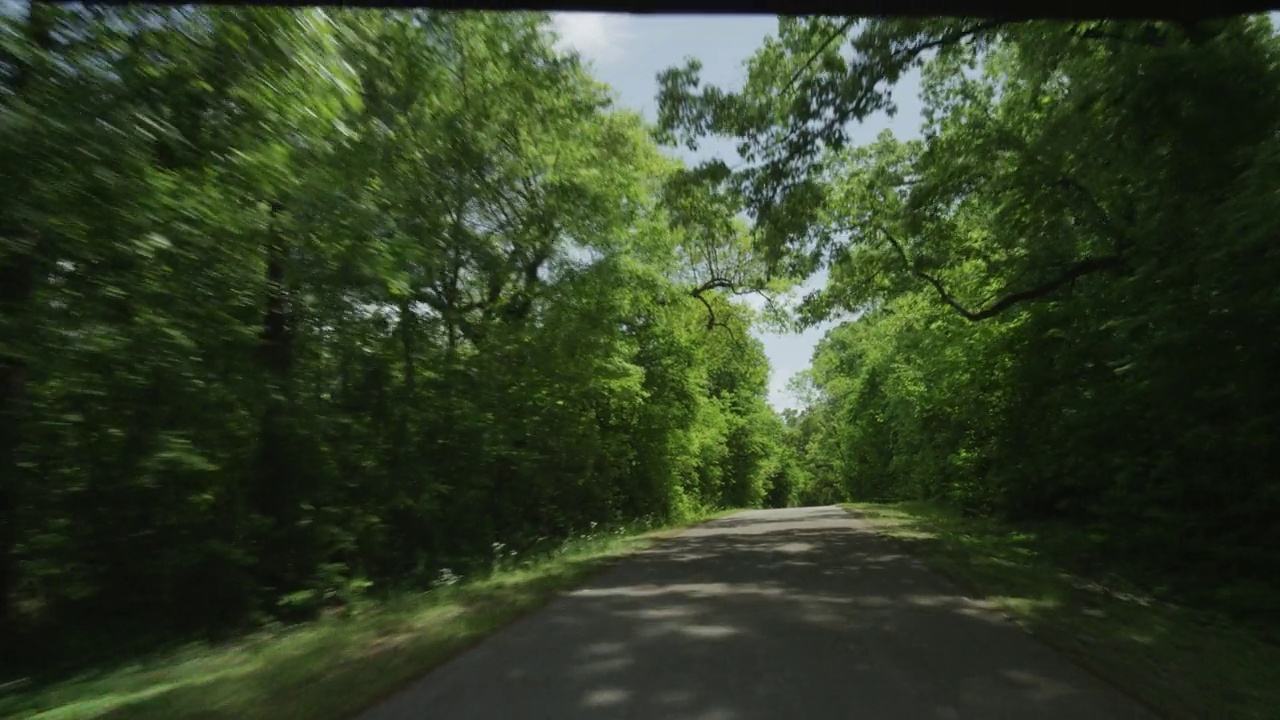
<point>333,668</point>
<point>1184,663</point>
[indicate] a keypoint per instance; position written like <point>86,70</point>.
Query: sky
<point>628,52</point>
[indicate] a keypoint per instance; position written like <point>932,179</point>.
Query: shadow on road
<point>790,614</point>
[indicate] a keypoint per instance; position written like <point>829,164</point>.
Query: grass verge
<point>333,668</point>
<point>1183,663</point>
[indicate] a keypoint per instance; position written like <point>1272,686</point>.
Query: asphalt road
<point>797,614</point>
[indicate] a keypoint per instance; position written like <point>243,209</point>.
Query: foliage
<point>1181,662</point>
<point>338,666</point>
<point>303,306</point>
<point>1062,294</point>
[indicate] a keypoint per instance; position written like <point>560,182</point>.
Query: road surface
<point>800,614</point>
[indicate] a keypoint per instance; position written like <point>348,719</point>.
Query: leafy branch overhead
<point>1058,301</point>
<point>300,308</point>
<point>715,245</point>
<point>1002,107</point>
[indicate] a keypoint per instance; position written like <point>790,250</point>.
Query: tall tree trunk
<point>403,451</point>
<point>406,342</point>
<point>12,391</point>
<point>19,280</point>
<point>273,486</point>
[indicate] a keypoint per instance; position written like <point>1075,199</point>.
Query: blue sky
<point>628,52</point>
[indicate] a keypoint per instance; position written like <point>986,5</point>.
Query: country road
<point>797,614</point>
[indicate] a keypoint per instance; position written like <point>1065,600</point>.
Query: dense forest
<point>304,306</point>
<point>300,306</point>
<point>1060,303</point>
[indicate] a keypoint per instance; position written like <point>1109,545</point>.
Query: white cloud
<point>597,36</point>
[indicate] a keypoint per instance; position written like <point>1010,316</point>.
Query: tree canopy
<point>300,305</point>
<point>1057,302</point>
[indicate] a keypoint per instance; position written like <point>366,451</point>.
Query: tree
<point>291,300</point>
<point>1060,289</point>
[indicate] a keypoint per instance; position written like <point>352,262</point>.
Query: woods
<point>1059,302</point>
<point>304,306</point>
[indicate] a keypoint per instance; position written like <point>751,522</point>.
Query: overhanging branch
<point>1150,37</point>
<point>835,34</point>
<point>711,313</point>
<point>735,288</point>
<point>716,283</point>
<point>712,284</point>
<point>901,58</point>
<point>1069,274</point>
<point>950,38</point>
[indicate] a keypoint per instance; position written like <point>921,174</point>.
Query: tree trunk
<point>406,342</point>
<point>19,278</point>
<point>273,489</point>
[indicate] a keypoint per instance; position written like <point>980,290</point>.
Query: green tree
<point>1060,290</point>
<point>304,305</point>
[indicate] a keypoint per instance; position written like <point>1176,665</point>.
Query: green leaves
<point>1051,285</point>
<point>305,305</point>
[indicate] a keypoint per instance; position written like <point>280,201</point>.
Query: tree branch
<point>736,338</point>
<point>712,284</point>
<point>1150,36</point>
<point>715,283</point>
<point>1068,275</point>
<point>837,33</point>
<point>951,38</point>
<point>907,56</point>
<point>903,57</point>
<point>711,313</point>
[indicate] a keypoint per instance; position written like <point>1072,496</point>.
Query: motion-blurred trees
<point>304,304</point>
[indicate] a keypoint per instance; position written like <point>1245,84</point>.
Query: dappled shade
<point>771,614</point>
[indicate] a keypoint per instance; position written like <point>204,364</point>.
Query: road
<point>800,614</point>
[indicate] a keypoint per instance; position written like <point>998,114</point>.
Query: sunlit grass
<point>1185,664</point>
<point>333,668</point>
